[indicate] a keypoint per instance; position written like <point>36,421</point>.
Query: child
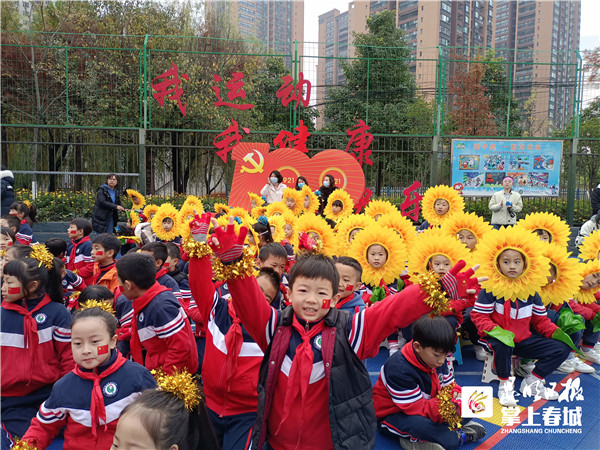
<point>158,250</point>
<point>7,239</point>
<point>296,408</point>
<point>164,224</point>
<point>11,222</point>
<point>274,256</point>
<point>439,204</point>
<point>79,250</point>
<point>181,278</point>
<point>102,384</point>
<point>171,418</point>
<point>159,322</point>
<point>508,256</point>
<point>339,206</point>
<point>409,382</point>
<point>268,281</point>
<point>350,273</point>
<point>36,330</point>
<point>263,231</point>
<point>26,214</point>
<point>105,248</point>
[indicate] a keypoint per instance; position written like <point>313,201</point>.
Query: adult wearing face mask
<point>505,205</point>
<point>326,189</point>
<point>301,182</point>
<point>273,190</point>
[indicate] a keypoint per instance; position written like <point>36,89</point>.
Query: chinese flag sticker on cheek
<point>326,303</point>
<point>99,253</point>
<point>103,349</point>
<point>14,290</point>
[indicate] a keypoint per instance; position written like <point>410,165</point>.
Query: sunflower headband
<point>276,208</point>
<point>568,276</point>
<point>347,205</point>
<point>311,223</point>
<point>256,199</point>
<point>401,225</point>
<point>557,228</point>
<point>41,253</point>
<point>456,203</point>
<point>150,210</point>
<point>297,197</point>
<point>313,200</point>
<point>181,384</point>
<point>590,247</point>
<point>585,269</point>
<point>165,211</point>
<point>467,221</point>
<point>137,200</point>
<point>378,208</point>
<point>347,226</point>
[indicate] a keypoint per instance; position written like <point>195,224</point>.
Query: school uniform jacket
<point>72,282</point>
<point>106,276</point>
<point>53,359</point>
<point>25,234</point>
<point>69,404</point>
<point>164,279</point>
<point>184,286</point>
<point>407,385</point>
<point>516,316</point>
<point>353,303</point>
<point>364,332</point>
<point>79,258</point>
<point>240,395</point>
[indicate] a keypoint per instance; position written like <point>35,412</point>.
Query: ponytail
<point>27,270</point>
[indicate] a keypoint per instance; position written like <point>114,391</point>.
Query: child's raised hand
<point>199,226</point>
<point>225,244</point>
<point>458,284</point>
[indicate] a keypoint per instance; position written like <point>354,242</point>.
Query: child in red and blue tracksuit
<point>79,250</point>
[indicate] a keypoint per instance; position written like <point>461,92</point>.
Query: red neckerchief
<point>97,410</point>
<point>233,341</point>
<point>30,335</point>
<point>161,272</point>
<point>103,270</point>
<point>300,371</point>
<point>385,288</point>
<point>24,221</point>
<point>341,303</point>
<point>74,249</point>
<point>283,289</point>
<point>138,305</point>
<point>409,353</point>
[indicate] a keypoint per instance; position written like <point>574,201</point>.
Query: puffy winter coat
<point>104,208</point>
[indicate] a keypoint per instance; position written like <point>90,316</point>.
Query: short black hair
<point>56,246</point>
<point>158,250</point>
<point>123,230</point>
<point>277,173</point>
<point>263,230</point>
<point>110,175</point>
<point>12,221</point>
<point>315,267</point>
<point>541,231</point>
<point>337,203</point>
<point>173,250</point>
<point>95,292</point>
<point>434,332</point>
<point>20,251</point>
<point>299,179</point>
<point>82,224</point>
<point>272,276</point>
<point>272,249</point>
<point>108,241</point>
<point>8,232</point>
<point>139,268</point>
<point>109,320</point>
<point>350,262</point>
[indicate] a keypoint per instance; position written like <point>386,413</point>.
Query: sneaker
<point>473,431</point>
<point>525,367</point>
<point>566,366</point>
<point>591,355</point>
<point>533,386</point>
<point>407,444</point>
<point>506,392</point>
<point>480,352</point>
<point>580,366</point>
<point>597,346</point>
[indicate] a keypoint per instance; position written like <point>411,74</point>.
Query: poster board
<point>480,165</point>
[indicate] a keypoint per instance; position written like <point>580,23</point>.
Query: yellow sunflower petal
<point>277,223</point>
<point>440,192</point>
<point>256,198</point>
<point>165,210</point>
<point>583,295</point>
<point>276,208</point>
<point>239,212</point>
<point>536,270</point>
<point>378,208</point>
<point>558,229</point>
<point>315,226</point>
<point>313,200</point>
<point>590,247</point>
<point>195,202</point>
<point>149,210</point>
<point>290,219</point>
<point>568,276</point>
<point>347,208</point>
<point>218,207</point>
<point>396,250</point>
<point>184,217</point>
<point>401,225</point>
<point>133,194</point>
<point>258,211</point>
<point>296,197</point>
<point>346,226</point>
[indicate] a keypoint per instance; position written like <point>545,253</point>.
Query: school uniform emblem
<point>40,318</point>
<point>141,317</point>
<point>110,389</point>
<point>317,341</point>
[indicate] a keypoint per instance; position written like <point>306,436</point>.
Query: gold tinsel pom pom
<point>195,249</point>
<point>41,253</point>
<point>93,303</point>
<point>180,384</point>
<point>239,269</point>
<point>447,408</point>
<point>23,445</point>
<point>437,298</point>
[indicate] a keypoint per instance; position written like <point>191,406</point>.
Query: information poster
<point>479,166</point>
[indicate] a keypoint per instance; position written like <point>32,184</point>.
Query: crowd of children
<point>271,310</point>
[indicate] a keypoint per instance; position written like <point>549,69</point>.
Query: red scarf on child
<point>30,335</point>
<point>138,305</point>
<point>161,272</point>
<point>300,371</point>
<point>233,341</point>
<point>97,410</point>
<point>74,250</point>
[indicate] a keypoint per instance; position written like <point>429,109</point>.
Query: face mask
<point>273,180</point>
<point>300,185</point>
<point>326,183</point>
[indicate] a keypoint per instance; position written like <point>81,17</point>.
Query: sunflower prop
<point>467,221</point>
<point>239,212</point>
<point>137,200</point>
<point>277,223</point>
<point>455,201</point>
<point>255,200</point>
<point>355,223</point>
<point>393,245</point>
<point>295,199</point>
<point>554,225</point>
<point>316,227</point>
<point>313,200</point>
<point>568,277</point>
<point>150,210</point>
<point>378,208</point>
<point>347,205</point>
<point>184,217</point>
<point>223,221</point>
<point>166,210</point>
<point>590,247</point>
<point>258,211</point>
<point>401,225</point>
<point>290,219</point>
<point>135,218</point>
<point>536,264</point>
<point>430,243</point>
<point>221,207</point>
<point>584,295</point>
<point>277,208</point>
<point>195,202</point>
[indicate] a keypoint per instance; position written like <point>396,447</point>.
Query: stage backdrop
<point>254,163</point>
<point>478,166</point>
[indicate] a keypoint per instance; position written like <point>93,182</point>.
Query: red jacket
<point>79,259</point>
